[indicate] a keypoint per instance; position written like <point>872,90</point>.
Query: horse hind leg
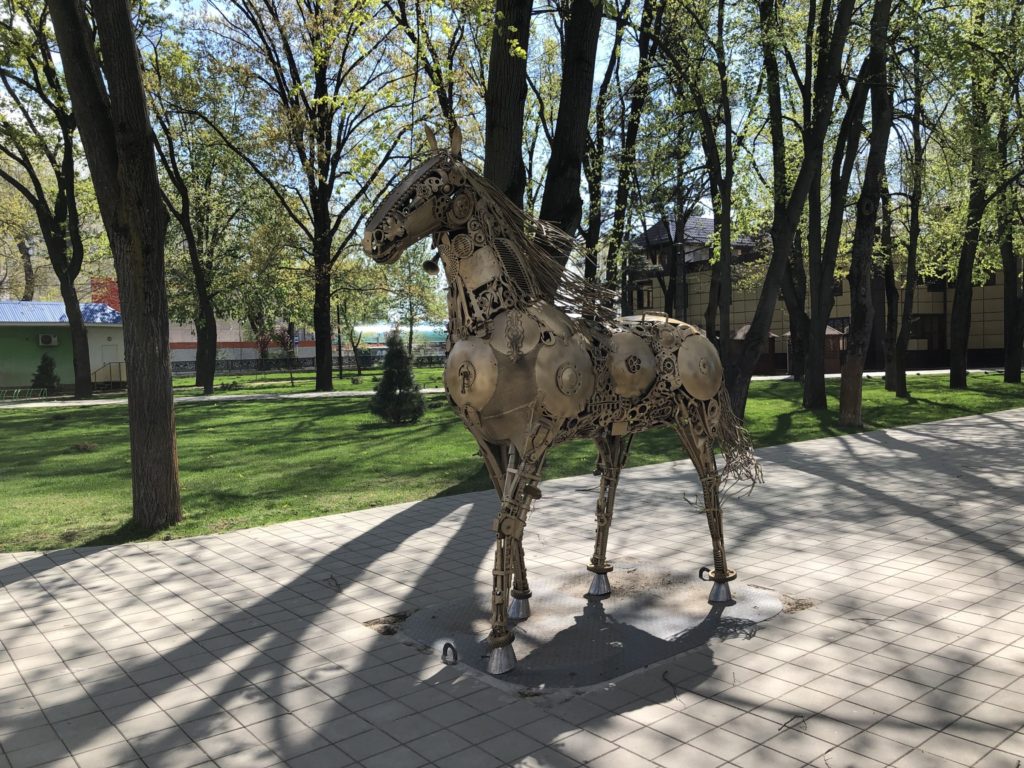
<point>519,601</point>
<point>702,454</point>
<point>612,455</point>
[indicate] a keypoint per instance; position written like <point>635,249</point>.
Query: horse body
<point>525,375</point>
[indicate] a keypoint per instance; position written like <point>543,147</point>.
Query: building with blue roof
<point>30,329</point>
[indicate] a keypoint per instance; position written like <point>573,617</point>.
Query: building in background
<point>656,262</point>
<point>30,329</point>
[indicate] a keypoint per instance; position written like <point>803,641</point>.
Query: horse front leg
<point>520,594</point>
<point>520,490</point>
<point>497,458</point>
<point>612,455</point>
<point>720,574</point>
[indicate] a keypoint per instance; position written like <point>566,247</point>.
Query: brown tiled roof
<point>699,231</point>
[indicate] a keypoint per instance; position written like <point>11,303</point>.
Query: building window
<point>643,297</point>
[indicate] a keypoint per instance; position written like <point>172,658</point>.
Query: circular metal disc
<point>631,364</point>
<point>565,378</point>
<point>471,373</point>
<point>479,268</point>
<point>514,333</point>
<point>700,368</point>
<point>552,319</point>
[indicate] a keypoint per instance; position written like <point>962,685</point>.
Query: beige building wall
<point>986,308</point>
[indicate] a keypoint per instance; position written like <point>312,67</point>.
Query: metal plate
<point>479,268</point>
<point>471,373</point>
<point>700,368</point>
<point>514,333</point>
<point>631,364</point>
<point>552,319</point>
<point>565,378</point>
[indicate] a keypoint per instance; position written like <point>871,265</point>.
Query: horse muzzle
<point>389,239</point>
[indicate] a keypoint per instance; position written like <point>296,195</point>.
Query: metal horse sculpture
<point>523,375</point>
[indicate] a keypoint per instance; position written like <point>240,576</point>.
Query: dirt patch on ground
<point>388,625</point>
<point>793,604</point>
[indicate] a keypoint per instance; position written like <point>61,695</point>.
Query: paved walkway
<point>123,400</point>
<point>250,648</point>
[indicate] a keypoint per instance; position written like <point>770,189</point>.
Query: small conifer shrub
<point>46,375</point>
<point>397,398</point>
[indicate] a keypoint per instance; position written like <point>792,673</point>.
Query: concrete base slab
<point>574,641</point>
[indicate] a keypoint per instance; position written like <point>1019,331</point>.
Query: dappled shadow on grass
<point>124,533</point>
<point>478,481</point>
<point>816,423</point>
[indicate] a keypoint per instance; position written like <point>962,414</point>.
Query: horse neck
<point>474,302</point>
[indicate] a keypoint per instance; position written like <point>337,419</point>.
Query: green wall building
<point>29,329</point>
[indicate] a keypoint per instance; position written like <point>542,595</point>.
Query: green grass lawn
<point>65,478</point>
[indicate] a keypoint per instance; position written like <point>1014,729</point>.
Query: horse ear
<point>456,141</point>
<point>431,139</point>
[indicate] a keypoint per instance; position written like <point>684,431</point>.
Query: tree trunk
<point>794,294</point>
<point>711,311</point>
<point>822,256</point>
<point>341,356</point>
<point>815,397</point>
<point>79,340</point>
<point>28,292</point>
<point>505,99</point>
<point>892,324</point>
<point>1013,310</point>
<point>899,363</point>
<point>562,203</point>
<point>1013,299</point>
<point>861,310</point>
<point>322,321</point>
<point>800,352</point>
<point>891,292</point>
<point>877,350</point>
<point>117,137</point>
<point>206,344</point>
<point>960,316</point>
<point>412,324</point>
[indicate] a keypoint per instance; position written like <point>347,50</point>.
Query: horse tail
<point>732,438</point>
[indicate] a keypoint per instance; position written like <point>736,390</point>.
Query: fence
<point>20,393</point>
<point>368,360</point>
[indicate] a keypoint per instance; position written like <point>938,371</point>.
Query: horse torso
<point>517,367</point>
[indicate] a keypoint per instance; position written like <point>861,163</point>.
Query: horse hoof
<point>501,660</point>
<point>720,593</point>
<point>599,586</point>
<point>519,608</point>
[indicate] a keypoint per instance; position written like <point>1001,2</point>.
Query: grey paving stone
<point>184,756</point>
<point>473,757</point>
<point>37,754</point>
<point>366,744</point>
<point>511,746</point>
<point>320,758</point>
<point>910,655</point>
<point>117,754</point>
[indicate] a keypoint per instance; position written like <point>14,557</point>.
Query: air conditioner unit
<point>48,340</point>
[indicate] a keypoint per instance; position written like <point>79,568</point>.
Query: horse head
<point>435,196</point>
